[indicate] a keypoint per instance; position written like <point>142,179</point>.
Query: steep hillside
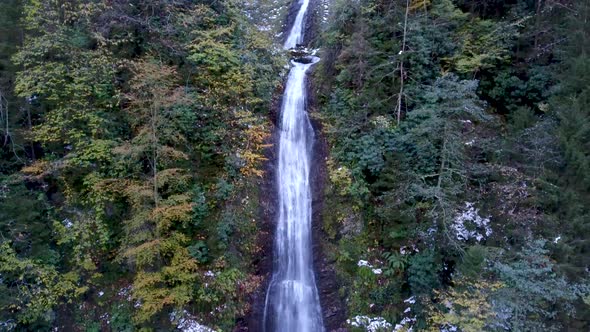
<point>456,169</point>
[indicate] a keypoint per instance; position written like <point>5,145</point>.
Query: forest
<point>137,143</point>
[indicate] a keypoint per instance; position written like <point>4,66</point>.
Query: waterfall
<point>296,35</point>
<point>292,301</point>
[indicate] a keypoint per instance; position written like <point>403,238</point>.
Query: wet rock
<point>333,307</point>
<point>300,52</point>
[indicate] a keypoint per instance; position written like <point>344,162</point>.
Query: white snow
<point>449,328</point>
<point>405,250</point>
<point>468,224</point>
<point>126,292</point>
<point>371,324</point>
<point>105,317</point>
<point>363,263</point>
<point>191,325</point>
<point>405,324</point>
<point>67,223</point>
<point>185,322</point>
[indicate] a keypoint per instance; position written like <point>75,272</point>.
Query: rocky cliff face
<point>332,306</point>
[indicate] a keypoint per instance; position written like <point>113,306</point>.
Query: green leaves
<point>31,289</point>
<point>75,89</point>
<point>213,52</point>
<point>199,251</point>
<point>485,44</point>
<point>131,106</point>
<point>535,292</point>
<point>473,261</point>
<point>24,218</point>
<point>423,273</point>
<point>396,263</point>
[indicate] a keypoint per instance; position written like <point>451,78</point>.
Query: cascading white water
<point>296,34</point>
<point>292,300</point>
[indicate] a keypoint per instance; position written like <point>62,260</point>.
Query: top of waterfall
<point>295,37</point>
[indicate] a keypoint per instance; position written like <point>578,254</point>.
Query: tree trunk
<point>4,117</point>
<point>155,152</point>
<point>401,71</point>
<point>537,23</point>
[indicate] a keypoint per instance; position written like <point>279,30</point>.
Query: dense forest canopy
<point>134,137</point>
<point>459,132</point>
<point>133,140</point>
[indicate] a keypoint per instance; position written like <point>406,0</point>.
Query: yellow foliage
<point>37,170</point>
<point>169,154</point>
<point>175,178</point>
<point>466,306</point>
<point>140,194</point>
<point>117,186</point>
<point>416,5</point>
<point>171,286</point>
<point>340,177</point>
<point>153,82</point>
<point>252,159</point>
<point>145,254</point>
<point>173,245</point>
<point>167,216</point>
<point>256,134</point>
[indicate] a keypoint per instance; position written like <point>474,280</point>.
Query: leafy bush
<point>199,251</point>
<point>423,273</point>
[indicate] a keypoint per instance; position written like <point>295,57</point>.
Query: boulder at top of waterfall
<point>303,55</point>
<point>299,51</point>
<point>304,59</point>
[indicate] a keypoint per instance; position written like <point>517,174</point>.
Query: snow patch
<point>468,224</point>
<point>449,328</point>
<point>405,325</point>
<point>185,322</point>
<point>125,292</point>
<point>106,318</point>
<point>406,250</point>
<point>364,263</point>
<point>67,223</point>
<point>370,324</point>
<point>410,300</point>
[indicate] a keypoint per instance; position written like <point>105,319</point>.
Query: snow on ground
<point>363,263</point>
<point>371,324</point>
<point>468,224</point>
<point>185,322</point>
